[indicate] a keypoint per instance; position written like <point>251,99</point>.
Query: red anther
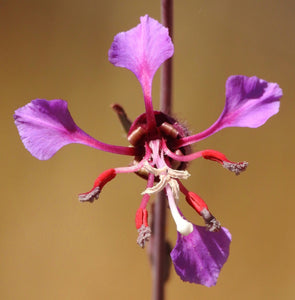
<point>196,202</point>
<point>145,218</point>
<point>236,167</point>
<point>104,178</point>
<point>214,155</point>
<point>141,218</point>
<point>100,181</point>
<point>138,218</point>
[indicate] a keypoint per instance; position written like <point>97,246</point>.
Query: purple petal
<point>199,256</point>
<point>250,102</point>
<point>142,49</point>
<point>46,126</point>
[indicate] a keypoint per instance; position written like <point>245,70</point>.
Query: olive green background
<point>52,246</point>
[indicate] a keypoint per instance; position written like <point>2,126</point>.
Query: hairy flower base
<point>160,145</point>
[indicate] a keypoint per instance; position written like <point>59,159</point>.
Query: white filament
<point>167,179</point>
<point>183,226</point>
<point>158,187</point>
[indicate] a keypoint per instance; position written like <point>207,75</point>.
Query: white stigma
<point>183,226</point>
<point>164,180</point>
<point>168,179</point>
<point>166,176</point>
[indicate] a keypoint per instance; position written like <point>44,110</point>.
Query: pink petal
<point>142,50</point>
<point>46,126</point>
<point>250,102</point>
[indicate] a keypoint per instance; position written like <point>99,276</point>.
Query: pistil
<point>183,226</point>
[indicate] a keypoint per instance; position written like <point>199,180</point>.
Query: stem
<point>159,250</point>
<point>166,72</point>
<point>159,247</point>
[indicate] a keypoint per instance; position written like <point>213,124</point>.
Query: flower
<point>160,145</point>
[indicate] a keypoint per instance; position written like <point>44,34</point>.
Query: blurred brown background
<point>52,246</point>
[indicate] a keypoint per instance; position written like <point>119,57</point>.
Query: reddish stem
<point>159,250</point>
<point>166,74</point>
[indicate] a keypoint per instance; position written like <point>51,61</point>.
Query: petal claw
<point>47,126</point>
<point>250,102</point>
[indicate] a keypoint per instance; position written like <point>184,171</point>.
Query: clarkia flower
<point>160,145</point>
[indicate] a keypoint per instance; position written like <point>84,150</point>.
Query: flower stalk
<point>166,72</point>
<point>159,230</point>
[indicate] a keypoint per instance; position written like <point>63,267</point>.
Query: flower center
<point>167,128</point>
<point>168,179</point>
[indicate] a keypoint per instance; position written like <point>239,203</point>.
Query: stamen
<point>90,196</point>
<point>144,231</point>
<point>196,202</point>
<point>175,164</point>
<point>99,183</point>
<point>137,165</point>
<point>179,156</point>
<point>213,225</point>
<point>141,218</point>
<point>235,167</point>
<point>132,169</point>
<point>144,234</point>
<point>214,156</point>
<point>201,207</point>
<point>166,174</point>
